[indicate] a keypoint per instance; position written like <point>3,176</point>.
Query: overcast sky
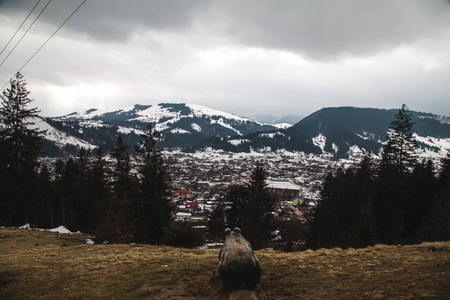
<point>244,57</point>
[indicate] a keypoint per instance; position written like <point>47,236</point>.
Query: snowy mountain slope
<point>340,131</point>
<point>58,142</point>
<point>347,132</point>
<point>179,125</point>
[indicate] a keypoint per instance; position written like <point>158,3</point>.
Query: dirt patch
<point>42,265</point>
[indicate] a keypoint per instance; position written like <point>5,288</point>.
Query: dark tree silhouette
<point>20,146</point>
<point>400,148</point>
<point>153,208</point>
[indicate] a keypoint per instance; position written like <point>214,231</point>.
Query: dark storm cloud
<point>320,30</point>
<point>332,29</point>
<point>113,19</point>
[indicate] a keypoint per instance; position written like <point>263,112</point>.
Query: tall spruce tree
<point>120,213</point>
<point>98,192</point>
<point>153,209</point>
<point>252,209</point>
<point>120,169</point>
<point>400,147</point>
<point>260,206</point>
<point>20,146</point>
<point>391,193</point>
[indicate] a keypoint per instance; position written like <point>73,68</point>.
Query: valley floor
<point>43,265</point>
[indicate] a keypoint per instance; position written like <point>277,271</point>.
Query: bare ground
<point>42,265</point>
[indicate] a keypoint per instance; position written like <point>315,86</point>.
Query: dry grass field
<point>44,265</point>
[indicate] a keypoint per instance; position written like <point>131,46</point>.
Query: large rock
<point>238,265</point>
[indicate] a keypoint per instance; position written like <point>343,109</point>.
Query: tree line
<point>115,200</point>
<point>396,200</point>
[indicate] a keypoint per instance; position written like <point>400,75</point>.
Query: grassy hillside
<point>36,264</point>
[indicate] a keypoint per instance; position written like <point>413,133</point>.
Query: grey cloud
<point>320,30</point>
<point>334,29</point>
<point>113,19</point>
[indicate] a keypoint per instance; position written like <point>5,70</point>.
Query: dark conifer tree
<point>400,148</point>
<point>153,209</point>
<point>420,200</point>
<point>343,216</point>
<point>47,202</point>
<point>391,193</point>
<point>216,223</point>
<point>19,150</point>
<point>121,215</point>
<point>97,191</point>
<point>68,193</point>
<point>252,209</point>
<point>259,210</point>
<point>235,214</point>
<point>120,169</point>
<point>436,224</point>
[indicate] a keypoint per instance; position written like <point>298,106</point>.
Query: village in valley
<point>200,180</point>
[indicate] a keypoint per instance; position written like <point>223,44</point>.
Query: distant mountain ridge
<point>179,125</point>
<point>274,120</point>
<point>338,131</point>
<point>342,131</point>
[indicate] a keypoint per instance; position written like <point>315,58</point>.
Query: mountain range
<point>339,131</point>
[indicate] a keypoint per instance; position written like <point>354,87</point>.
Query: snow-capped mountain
<point>57,142</point>
<point>338,132</point>
<point>179,125</point>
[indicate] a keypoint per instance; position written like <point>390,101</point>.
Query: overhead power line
<point>48,40</point>
<point>19,27</point>
<point>25,33</point>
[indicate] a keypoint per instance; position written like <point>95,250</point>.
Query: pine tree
<point>400,148</point>
<point>19,150</point>
<point>121,215</point>
<point>436,224</point>
<point>120,169</point>
<point>97,189</point>
<point>235,214</point>
<point>216,223</point>
<point>153,210</point>
<point>259,208</point>
<point>421,199</point>
<point>252,209</point>
<point>391,192</point>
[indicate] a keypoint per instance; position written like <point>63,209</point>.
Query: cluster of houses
<point>200,180</point>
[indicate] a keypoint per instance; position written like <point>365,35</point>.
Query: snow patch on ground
<point>128,130</point>
<point>222,123</point>
<point>199,111</point>
<point>282,125</point>
<point>180,131</point>
<point>355,152</point>
<point>60,229</point>
<point>271,135</point>
<point>442,144</point>
<point>320,141</point>
<point>335,148</point>
<point>238,141</point>
<point>196,127</point>
<point>59,137</point>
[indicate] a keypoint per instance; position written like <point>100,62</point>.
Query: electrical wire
<point>25,33</point>
<point>19,27</point>
<point>47,40</point>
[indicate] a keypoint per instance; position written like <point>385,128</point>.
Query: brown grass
<point>36,265</point>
